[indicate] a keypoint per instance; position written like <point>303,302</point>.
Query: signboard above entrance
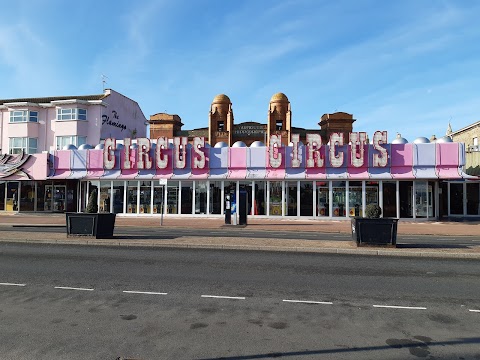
<point>315,155</point>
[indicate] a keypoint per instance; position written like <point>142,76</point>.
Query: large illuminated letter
<point>180,144</point>
<point>275,143</point>
<point>357,156</point>
<point>108,154</point>
<point>336,160</point>
<point>126,163</point>
<point>144,161</point>
<point>314,159</point>
<point>295,160</point>
<point>379,138</point>
<point>199,159</point>
<point>160,158</point>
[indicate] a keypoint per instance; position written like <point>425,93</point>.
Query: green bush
<point>92,206</point>
<point>373,211</point>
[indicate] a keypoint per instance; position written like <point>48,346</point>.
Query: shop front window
<point>260,201</point>
<point>132,189</point>
<point>275,198</point>
<point>247,186</point>
<point>187,197</point>
<point>322,199</point>
<point>456,198</point>
<point>306,198</point>
<point>291,198</point>
<point>405,189</point>
<point>423,199</point>
<point>118,190</point>
<point>104,196</point>
<point>355,198</point>
<point>145,197</point>
<point>473,204</point>
<point>172,197</point>
<point>338,199</point>
<point>200,197</point>
<point>389,199</point>
<point>158,194</point>
<point>215,197</point>
<point>27,196</point>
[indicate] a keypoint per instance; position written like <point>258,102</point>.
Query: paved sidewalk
<point>320,246</point>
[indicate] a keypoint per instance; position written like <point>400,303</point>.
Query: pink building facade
<point>324,179</point>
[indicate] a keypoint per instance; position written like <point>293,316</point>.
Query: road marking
<point>471,310</point>
<point>73,288</point>
<point>401,307</point>
<point>309,302</point>
<point>144,292</point>
<point>11,284</point>
<point>224,297</point>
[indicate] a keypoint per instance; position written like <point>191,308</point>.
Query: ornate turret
<point>279,120</point>
<point>220,125</point>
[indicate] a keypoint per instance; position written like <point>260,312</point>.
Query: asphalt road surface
<point>75,302</point>
<point>411,241</point>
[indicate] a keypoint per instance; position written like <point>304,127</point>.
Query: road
<point>75,302</point>
<point>408,241</point>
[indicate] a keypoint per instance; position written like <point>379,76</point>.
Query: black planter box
<point>375,232</point>
<point>98,225</point>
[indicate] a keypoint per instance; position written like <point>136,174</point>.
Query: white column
<point>194,200</point>
<point>208,197</point>
<point>380,195</point>
<point>283,198</point>
<point>437,200</point>
<point>253,198</point>
<point>222,194</point>
<point>298,198</point>
<point>330,198</point>
<point>268,198</point>
<point>364,197</point>
<point>314,199</point>
<point>414,204</point>
<point>179,200</point>
<point>397,194</point>
<point>347,199</point>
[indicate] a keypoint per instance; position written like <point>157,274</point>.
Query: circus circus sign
<point>167,153</point>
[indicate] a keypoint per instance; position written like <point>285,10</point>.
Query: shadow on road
<point>418,346</point>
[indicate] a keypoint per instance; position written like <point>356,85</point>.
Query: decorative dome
<point>221,144</point>
<point>69,147</point>
<point>257,144</point>
<point>221,99</point>
<point>85,147</point>
<point>445,139</point>
<point>100,146</point>
<point>279,97</point>
<point>398,140</point>
<point>421,140</point>
<point>239,144</point>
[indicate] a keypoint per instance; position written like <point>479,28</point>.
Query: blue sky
<point>401,66</point>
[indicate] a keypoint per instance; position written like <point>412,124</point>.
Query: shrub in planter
<point>90,222</point>
<point>374,230</point>
<point>373,211</point>
<point>92,206</point>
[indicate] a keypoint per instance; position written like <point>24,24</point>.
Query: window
<point>63,141</point>
<point>71,114</point>
<point>279,125</point>
<point>23,116</point>
<point>23,144</point>
<point>221,126</point>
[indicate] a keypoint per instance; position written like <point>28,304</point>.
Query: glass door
<point>421,199</point>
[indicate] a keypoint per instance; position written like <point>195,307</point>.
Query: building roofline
<point>464,128</point>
